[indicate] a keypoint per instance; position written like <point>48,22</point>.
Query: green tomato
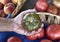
<point>31,22</point>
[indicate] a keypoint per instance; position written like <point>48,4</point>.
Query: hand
<point>6,24</point>
<point>13,24</point>
<point>18,28</point>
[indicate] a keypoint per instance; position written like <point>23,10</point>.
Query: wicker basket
<point>19,6</point>
<point>49,18</point>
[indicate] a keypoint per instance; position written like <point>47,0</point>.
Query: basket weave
<point>46,17</point>
<point>49,18</point>
<point>19,6</point>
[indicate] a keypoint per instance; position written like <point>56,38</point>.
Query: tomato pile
<point>43,6</point>
<point>53,30</point>
<point>52,33</point>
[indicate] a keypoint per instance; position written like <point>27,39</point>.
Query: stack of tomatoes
<point>43,6</point>
<point>53,30</point>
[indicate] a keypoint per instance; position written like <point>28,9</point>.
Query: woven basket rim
<point>52,18</point>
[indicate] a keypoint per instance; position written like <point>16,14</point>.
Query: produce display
<point>8,6</point>
<point>42,23</point>
<point>53,30</point>
<point>43,6</point>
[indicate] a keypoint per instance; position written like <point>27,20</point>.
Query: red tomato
<point>53,31</point>
<point>45,40</point>
<point>41,5</point>
<point>32,37</point>
<point>37,35</point>
<point>40,34</point>
<point>52,9</point>
<point>14,39</point>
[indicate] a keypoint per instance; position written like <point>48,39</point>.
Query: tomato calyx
<point>31,22</point>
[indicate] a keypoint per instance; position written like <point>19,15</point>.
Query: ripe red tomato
<point>36,35</point>
<point>53,31</point>
<point>41,5</point>
<point>32,37</point>
<point>40,34</point>
<point>45,40</point>
<point>52,9</point>
<point>14,39</point>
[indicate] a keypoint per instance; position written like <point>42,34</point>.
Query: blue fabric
<point>5,35</point>
<point>8,16</point>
